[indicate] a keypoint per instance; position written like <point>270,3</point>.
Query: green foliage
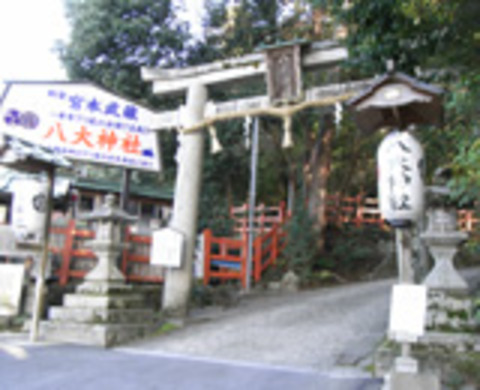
<point>353,168</point>
<point>166,327</point>
<point>225,179</point>
<point>463,370</point>
<point>354,251</point>
<point>464,122</point>
<point>411,32</point>
<point>442,38</point>
<point>301,251</point>
<point>112,39</point>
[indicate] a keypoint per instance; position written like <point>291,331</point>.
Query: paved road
<point>318,340</point>
<point>322,330</point>
<point>308,340</point>
<point>74,367</point>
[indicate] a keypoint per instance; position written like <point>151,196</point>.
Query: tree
<point>112,39</point>
<point>440,39</point>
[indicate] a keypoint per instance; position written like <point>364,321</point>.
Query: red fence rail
<point>226,258</point>
<point>266,249</point>
<point>264,219</point>
<point>356,210</point>
<point>75,260</point>
<point>360,211</point>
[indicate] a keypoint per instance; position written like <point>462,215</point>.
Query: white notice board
<point>11,282</point>
<point>167,248</point>
<point>408,310</point>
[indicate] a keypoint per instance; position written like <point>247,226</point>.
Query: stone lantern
<point>104,310</point>
<point>443,238</point>
<point>449,305</point>
<point>107,246</point>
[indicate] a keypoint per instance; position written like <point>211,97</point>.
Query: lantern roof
<point>398,100</point>
<point>108,211</point>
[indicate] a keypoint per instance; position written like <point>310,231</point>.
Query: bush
<point>352,251</point>
<point>301,251</point>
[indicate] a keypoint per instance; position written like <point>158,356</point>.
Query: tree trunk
<point>320,170</point>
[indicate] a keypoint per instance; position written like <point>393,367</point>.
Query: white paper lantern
<point>400,162</point>
<point>29,207</point>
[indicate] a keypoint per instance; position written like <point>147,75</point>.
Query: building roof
<point>146,191</point>
<point>62,184</point>
<point>20,154</point>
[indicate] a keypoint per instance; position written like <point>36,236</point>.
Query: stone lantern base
<point>449,312</point>
<point>100,319</point>
<point>103,311</point>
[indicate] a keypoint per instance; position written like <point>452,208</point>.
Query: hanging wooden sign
<point>284,75</point>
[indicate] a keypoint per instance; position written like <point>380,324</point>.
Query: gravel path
<point>320,329</point>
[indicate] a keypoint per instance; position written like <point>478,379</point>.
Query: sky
<point>29,30</point>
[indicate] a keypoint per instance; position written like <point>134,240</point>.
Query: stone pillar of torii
<point>282,65</point>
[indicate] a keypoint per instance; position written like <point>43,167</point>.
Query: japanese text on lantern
<point>400,176</point>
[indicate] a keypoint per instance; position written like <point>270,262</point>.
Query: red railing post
<point>207,237</point>
<point>359,210</point>
<point>257,250</point>
<point>275,244</point>
<point>243,259</point>
<point>67,253</point>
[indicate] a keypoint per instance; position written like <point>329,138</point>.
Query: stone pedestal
<point>449,307</point>
<point>100,319</point>
<point>103,311</point>
<point>408,381</point>
<point>448,312</point>
<point>442,239</point>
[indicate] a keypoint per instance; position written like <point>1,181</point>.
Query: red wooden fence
<point>356,210</point>
<point>75,260</point>
<point>360,211</point>
<point>265,217</point>
<point>266,249</point>
<point>226,258</point>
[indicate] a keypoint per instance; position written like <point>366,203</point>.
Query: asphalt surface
<point>325,330</point>
<point>75,367</point>
<point>322,339</point>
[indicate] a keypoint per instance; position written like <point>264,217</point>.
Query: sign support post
<point>40,279</point>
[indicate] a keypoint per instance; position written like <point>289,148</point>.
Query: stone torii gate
<point>282,65</point>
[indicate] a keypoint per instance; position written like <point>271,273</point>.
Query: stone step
<point>127,301</point>
<point>101,335</point>
<point>101,315</point>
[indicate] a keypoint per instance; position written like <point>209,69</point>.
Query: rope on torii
<point>281,112</point>
<point>328,95</point>
<point>348,90</point>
